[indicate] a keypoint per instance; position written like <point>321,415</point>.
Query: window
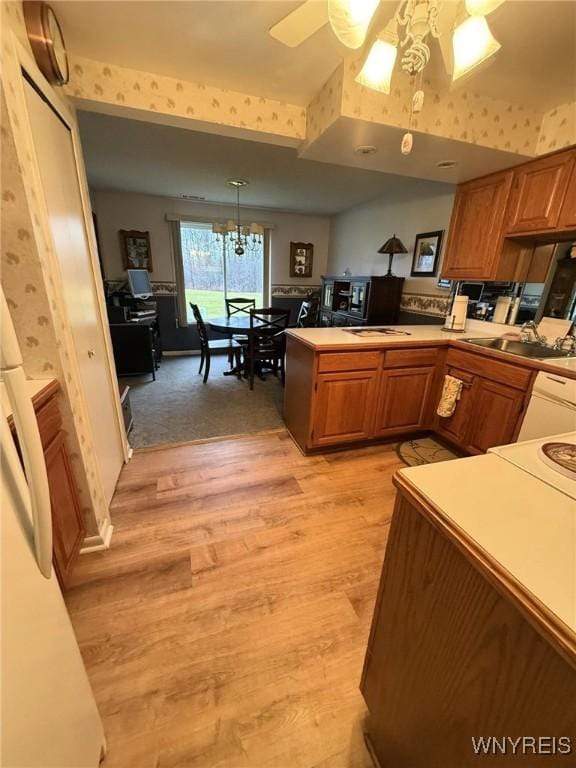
<point>212,271</point>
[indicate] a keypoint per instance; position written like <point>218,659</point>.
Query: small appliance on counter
<point>456,318</point>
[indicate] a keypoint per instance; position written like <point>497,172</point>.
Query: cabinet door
<point>455,428</point>
<point>538,192</point>
<point>344,407</point>
<point>67,524</point>
<point>474,239</point>
<point>404,400</point>
<point>496,411</point>
<point>568,213</point>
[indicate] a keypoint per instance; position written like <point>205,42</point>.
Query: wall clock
<point>47,42</point>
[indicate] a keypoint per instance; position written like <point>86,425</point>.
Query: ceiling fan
<point>355,22</point>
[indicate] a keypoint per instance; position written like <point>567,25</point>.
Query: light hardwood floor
<point>227,625</point>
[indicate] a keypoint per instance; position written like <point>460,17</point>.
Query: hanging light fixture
<point>472,43</point>
<point>241,237</point>
<point>350,20</point>
<point>376,73</point>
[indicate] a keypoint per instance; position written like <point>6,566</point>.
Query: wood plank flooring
<point>226,627</point>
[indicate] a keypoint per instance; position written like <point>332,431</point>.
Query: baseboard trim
<point>100,541</point>
<point>181,353</point>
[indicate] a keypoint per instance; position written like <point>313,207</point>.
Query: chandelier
<point>241,237</point>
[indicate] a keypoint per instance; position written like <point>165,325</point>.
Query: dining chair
<point>207,346</point>
<point>239,306</point>
<point>266,340</point>
<point>308,314</point>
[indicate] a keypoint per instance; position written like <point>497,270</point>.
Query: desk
<point>137,346</point>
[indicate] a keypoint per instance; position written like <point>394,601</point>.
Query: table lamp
<point>392,246</point>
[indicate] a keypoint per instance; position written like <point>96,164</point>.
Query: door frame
<point>65,113</point>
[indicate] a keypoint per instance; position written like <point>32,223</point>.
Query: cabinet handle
<point>91,353</point>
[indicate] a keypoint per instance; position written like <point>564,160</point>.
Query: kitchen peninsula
<point>344,388</point>
<point>474,629</point>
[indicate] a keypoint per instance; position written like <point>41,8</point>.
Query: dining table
<point>239,325</point>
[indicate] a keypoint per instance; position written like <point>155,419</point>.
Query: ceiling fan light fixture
<point>350,20</point>
<point>472,43</point>
<point>376,72</point>
<point>482,7</point>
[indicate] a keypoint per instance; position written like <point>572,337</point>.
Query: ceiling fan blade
<point>301,24</point>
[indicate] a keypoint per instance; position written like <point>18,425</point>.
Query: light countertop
<point>33,388</point>
<point>323,339</point>
<point>320,338</point>
<point>520,521</point>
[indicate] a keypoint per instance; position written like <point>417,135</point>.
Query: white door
<point>55,154</point>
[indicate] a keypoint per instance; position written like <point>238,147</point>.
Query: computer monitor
<point>139,282</point>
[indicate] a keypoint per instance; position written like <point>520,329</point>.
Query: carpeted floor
<point>177,407</point>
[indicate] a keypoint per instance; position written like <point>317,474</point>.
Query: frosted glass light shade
<point>376,72</point>
<point>472,43</point>
<point>350,20</point>
<point>482,7</point>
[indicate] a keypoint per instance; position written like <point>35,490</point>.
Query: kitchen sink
<point>522,348</point>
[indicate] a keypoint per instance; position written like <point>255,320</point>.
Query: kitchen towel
<point>451,391</point>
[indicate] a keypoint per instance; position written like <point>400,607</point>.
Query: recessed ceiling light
<point>237,182</point>
<point>365,149</point>
<point>446,164</point>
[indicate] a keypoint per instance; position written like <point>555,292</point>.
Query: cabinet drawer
<point>505,373</point>
<point>49,421</point>
<point>348,361</point>
<point>407,358</point>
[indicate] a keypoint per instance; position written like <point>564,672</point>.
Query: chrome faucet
<point>530,329</point>
<point>562,342</point>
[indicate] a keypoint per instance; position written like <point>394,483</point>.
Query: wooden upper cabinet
<point>474,239</point>
<point>568,212</point>
<point>344,409</point>
<point>538,193</point>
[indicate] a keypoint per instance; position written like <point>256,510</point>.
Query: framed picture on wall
<point>426,254</point>
<point>301,259</point>
<point>136,249</point>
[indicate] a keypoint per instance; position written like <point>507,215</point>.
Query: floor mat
<point>424,450</point>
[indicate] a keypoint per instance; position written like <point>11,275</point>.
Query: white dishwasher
<point>552,407</point>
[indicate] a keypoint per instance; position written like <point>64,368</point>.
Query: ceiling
<point>138,156</point>
<point>226,44</point>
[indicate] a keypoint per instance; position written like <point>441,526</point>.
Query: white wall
<point>128,210</point>
<point>357,234</point>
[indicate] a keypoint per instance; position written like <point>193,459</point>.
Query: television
<point>139,283</point>
<point>472,290</point>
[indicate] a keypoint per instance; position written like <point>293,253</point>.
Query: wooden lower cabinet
<point>344,406</point>
<point>404,400</point>
<point>337,397</point>
<point>67,524</point>
<point>488,412</point>
<point>68,528</point>
<point>497,409</point>
<point>447,657</point>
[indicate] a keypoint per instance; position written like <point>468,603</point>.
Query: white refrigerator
<point>49,715</point>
